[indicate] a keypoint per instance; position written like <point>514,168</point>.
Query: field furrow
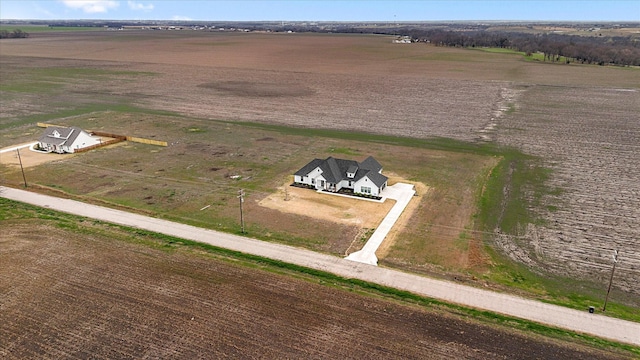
<point>79,297</point>
<point>590,137</point>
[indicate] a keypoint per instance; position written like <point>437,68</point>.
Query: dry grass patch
<point>405,220</point>
<point>364,215</point>
<point>345,210</point>
<point>196,179</point>
<point>29,158</point>
<point>441,233</point>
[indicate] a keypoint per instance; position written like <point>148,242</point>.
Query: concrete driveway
<point>402,193</point>
<point>13,148</point>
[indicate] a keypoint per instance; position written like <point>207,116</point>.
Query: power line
<point>241,197</point>
<point>21,167</point>
<point>615,261</point>
<point>434,231</point>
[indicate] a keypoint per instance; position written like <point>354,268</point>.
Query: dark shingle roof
<point>377,178</point>
<point>310,166</point>
<point>371,164</point>
<point>333,174</point>
<point>374,176</point>
<point>360,174</point>
<point>335,170</point>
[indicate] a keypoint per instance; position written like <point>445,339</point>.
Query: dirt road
<point>580,321</point>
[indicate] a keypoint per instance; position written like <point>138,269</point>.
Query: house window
<point>365,190</point>
<point>350,183</point>
<point>313,181</point>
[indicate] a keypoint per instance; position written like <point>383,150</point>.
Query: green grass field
<point>37,29</point>
<point>532,57</point>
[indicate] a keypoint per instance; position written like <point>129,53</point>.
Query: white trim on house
<point>65,140</point>
<point>367,187</point>
<point>335,174</point>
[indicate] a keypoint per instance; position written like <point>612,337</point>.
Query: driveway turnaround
<point>402,194</point>
<point>579,321</point>
<point>14,148</point>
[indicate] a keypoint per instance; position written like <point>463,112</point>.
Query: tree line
<point>555,47</point>
<point>617,50</point>
<point>15,34</point>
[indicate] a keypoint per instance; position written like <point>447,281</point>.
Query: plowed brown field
<point>65,294</point>
<point>582,120</point>
<point>590,137</point>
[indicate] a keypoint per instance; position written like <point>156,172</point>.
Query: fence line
<point>115,136</point>
<point>45,125</point>
<point>111,135</point>
<point>104,143</point>
<point>146,141</point>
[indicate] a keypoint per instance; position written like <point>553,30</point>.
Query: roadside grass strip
<point>10,209</point>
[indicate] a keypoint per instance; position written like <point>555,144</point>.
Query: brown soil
<point>71,295</point>
<point>422,192</point>
<point>589,140</point>
<point>350,211</point>
<point>364,215</point>
<point>30,158</point>
<point>578,119</point>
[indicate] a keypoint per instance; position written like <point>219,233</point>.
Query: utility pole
<point>615,261</point>
<point>241,197</point>
<point>21,167</point>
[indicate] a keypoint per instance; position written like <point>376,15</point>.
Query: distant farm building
<point>65,140</point>
<point>402,40</point>
<point>334,175</point>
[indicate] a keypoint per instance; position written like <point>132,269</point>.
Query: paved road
<point>580,321</point>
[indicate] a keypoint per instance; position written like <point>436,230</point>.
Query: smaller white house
<point>65,140</point>
<point>335,175</point>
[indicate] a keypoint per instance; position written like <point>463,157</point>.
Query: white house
<point>65,140</point>
<point>334,175</point>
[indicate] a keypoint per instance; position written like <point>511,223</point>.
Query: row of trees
<point>583,49</point>
<point>15,34</point>
<point>555,47</point>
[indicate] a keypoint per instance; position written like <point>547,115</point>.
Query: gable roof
<point>371,164</point>
<point>310,166</point>
<point>335,170</point>
<point>56,135</point>
<point>377,178</point>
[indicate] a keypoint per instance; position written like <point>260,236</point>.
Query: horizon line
<point>334,21</point>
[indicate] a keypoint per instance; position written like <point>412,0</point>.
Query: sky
<point>327,10</point>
